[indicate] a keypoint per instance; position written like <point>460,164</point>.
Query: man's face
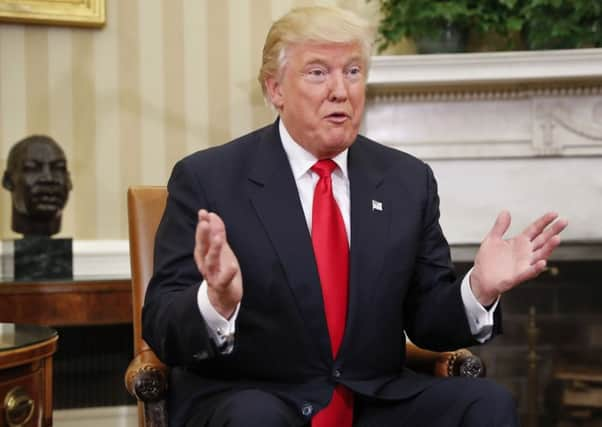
<point>320,95</point>
<point>40,181</point>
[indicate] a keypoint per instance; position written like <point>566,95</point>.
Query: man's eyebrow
<point>316,61</point>
<point>356,59</point>
<point>324,61</point>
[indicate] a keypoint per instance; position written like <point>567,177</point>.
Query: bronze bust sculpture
<point>37,176</point>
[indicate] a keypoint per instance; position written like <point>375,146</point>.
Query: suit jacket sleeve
<point>171,321</point>
<point>435,315</point>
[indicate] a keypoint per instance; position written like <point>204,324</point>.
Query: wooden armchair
<point>146,376</point>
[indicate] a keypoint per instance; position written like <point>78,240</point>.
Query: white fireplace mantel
<point>488,105</point>
<point>515,130</point>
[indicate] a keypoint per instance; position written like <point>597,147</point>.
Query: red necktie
<point>331,250</point>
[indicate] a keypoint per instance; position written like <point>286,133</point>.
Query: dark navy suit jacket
<point>401,278</point>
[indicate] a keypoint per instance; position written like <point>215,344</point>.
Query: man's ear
<point>274,90</point>
<point>7,182</point>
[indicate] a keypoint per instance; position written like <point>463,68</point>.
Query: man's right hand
<point>217,263</point>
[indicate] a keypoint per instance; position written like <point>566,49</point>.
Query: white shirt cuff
<point>220,329</point>
<point>480,320</point>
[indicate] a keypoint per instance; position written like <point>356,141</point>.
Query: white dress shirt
<point>480,320</point>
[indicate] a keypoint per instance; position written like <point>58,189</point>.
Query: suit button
<point>307,410</point>
<point>337,373</point>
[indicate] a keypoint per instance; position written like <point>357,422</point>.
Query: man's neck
<point>27,225</point>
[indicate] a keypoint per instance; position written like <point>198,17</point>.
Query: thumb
<point>501,225</point>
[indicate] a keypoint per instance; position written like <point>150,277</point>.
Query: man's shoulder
<point>387,156</point>
<point>239,147</point>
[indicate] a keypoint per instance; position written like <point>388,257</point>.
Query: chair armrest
<point>459,363</point>
<point>146,377</point>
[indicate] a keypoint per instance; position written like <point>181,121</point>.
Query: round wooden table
<point>26,375</point>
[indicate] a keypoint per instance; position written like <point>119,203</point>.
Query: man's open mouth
<point>338,117</point>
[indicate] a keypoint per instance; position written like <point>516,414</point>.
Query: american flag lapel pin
<point>377,206</point>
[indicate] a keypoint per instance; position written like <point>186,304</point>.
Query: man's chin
<point>340,139</point>
<point>45,211</point>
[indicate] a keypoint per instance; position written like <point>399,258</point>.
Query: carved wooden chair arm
<point>146,380</point>
<point>146,377</point>
<point>459,363</point>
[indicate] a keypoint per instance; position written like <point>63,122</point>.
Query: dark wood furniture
<point>26,375</point>
<point>580,395</point>
<point>80,301</point>
<point>146,377</point>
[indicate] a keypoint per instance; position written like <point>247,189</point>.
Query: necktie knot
<point>324,167</point>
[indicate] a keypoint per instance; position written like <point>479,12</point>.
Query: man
<point>37,176</point>
<point>289,262</point>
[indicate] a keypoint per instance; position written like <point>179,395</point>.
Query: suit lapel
<point>370,218</point>
<point>275,197</point>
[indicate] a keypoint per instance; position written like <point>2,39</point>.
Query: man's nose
<point>46,173</point>
<point>338,87</point>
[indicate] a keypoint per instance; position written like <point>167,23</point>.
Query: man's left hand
<point>501,264</point>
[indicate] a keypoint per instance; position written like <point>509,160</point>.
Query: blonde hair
<point>327,24</point>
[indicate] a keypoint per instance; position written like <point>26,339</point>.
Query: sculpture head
<point>37,176</point>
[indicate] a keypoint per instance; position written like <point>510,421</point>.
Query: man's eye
<point>354,72</point>
<point>30,166</point>
<point>316,74</point>
<point>59,166</point>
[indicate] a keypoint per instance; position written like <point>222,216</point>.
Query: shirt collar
<point>302,160</point>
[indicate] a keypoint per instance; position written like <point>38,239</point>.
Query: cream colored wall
<point>162,79</point>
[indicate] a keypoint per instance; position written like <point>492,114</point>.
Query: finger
<point>203,214</point>
<point>553,230</point>
<point>533,230</point>
<point>502,222</point>
<point>210,237</point>
<point>546,250</point>
<point>213,257</point>
<point>202,233</point>
<point>216,229</point>
<point>199,249</point>
<point>229,273</point>
<point>216,224</point>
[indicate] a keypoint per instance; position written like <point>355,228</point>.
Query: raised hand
<point>217,263</point>
<point>501,264</point>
